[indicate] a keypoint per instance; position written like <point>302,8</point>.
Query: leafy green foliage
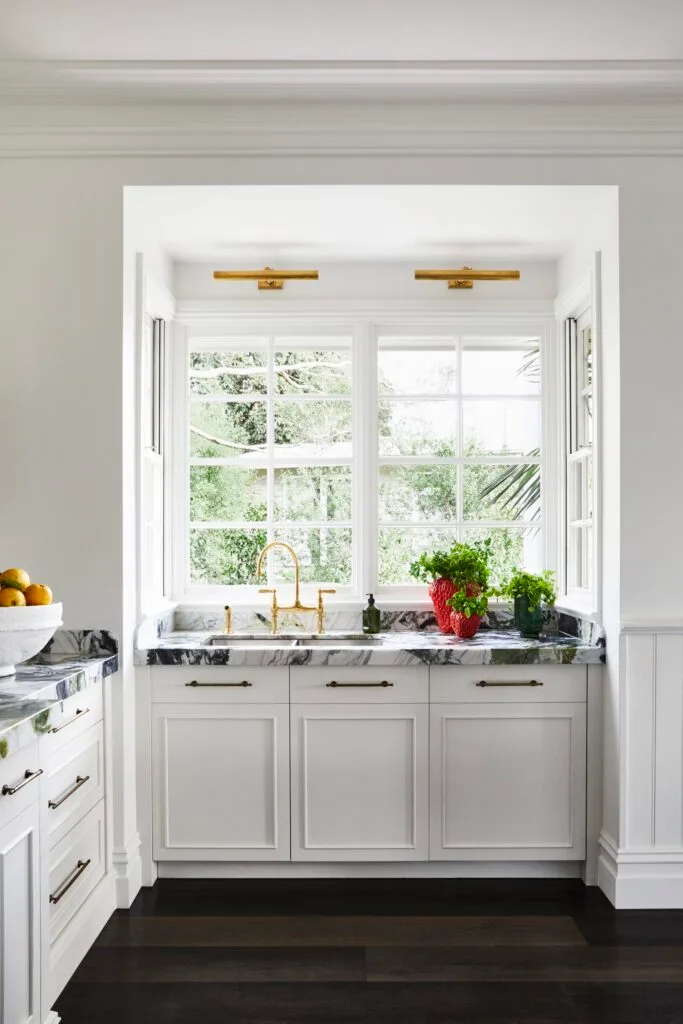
<point>535,588</point>
<point>463,564</point>
<point>472,604</point>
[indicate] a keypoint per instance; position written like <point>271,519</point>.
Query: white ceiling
<point>296,224</point>
<point>352,30</point>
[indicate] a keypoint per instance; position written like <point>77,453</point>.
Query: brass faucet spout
<point>292,552</point>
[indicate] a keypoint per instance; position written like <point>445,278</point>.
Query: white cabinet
<point>508,780</point>
<point>220,780</point>
<point>360,781</point>
<point>20,918</point>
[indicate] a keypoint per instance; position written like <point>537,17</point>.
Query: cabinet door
<point>221,782</point>
<point>508,781</point>
<point>20,920</point>
<point>360,782</point>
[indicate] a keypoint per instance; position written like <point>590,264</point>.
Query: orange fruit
<point>38,593</point>
<point>18,578</point>
<point>10,597</point>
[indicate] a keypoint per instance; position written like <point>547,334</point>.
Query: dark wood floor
<point>404,952</point>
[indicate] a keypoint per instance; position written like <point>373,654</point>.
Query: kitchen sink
<point>233,640</point>
<point>287,640</point>
<point>339,641</point>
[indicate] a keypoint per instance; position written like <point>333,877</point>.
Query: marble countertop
<point>397,647</point>
<point>27,697</point>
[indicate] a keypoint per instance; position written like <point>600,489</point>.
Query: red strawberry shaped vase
<point>463,627</point>
<point>439,591</point>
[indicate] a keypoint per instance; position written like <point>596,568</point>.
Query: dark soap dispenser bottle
<point>371,616</point>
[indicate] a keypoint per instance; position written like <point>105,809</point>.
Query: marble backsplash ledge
<point>88,643</point>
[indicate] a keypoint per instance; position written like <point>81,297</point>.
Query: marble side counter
<point>27,697</point>
<point>396,647</point>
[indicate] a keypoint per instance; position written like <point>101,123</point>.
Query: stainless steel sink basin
<point>287,640</point>
<point>340,641</point>
<point>232,640</point>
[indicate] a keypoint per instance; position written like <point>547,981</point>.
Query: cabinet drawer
<point>73,782</point>
<point>359,684</point>
<point>217,684</point>
<point>76,866</point>
<point>19,782</point>
<point>504,684</point>
<point>70,719</point>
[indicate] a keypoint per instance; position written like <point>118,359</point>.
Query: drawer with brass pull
<point>70,719</point>
<point>503,684</point>
<point>73,782</point>
<point>19,782</point>
<point>359,684</point>
<point>220,684</point>
<point>76,865</point>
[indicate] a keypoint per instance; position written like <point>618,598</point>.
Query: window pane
<point>310,429</point>
<point>501,492</point>
<point>417,428</point>
<point>324,557</point>
<point>398,547</point>
<point>410,372</point>
<point>511,547</point>
<point>501,371</point>
<point>225,557</point>
<point>417,493</point>
<point>322,493</point>
<point>228,373</point>
<point>306,371</point>
<point>227,430</point>
<point>501,428</point>
<point>224,492</point>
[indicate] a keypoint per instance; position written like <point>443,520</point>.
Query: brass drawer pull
<point>80,781</point>
<point>195,683</point>
<point>334,684</point>
<point>75,875</point>
<point>79,714</point>
<point>29,776</point>
<point>525,682</point>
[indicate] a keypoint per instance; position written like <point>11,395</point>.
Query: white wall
<point>66,366</point>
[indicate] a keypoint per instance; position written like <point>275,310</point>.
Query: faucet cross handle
<point>321,606</point>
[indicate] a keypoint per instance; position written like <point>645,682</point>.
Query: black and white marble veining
<point>27,697</point>
<point>394,647</point>
<point>90,643</point>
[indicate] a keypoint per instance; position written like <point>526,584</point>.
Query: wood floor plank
<point>341,931</point>
<point>627,1003</point>
<point>591,965</point>
<point>150,965</point>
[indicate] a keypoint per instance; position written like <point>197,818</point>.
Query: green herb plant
<point>536,588</point>
<point>475,604</point>
<point>463,564</point>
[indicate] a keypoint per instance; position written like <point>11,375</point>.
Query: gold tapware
<point>276,608</point>
<point>464,277</point>
<point>268,279</point>
<point>228,619</point>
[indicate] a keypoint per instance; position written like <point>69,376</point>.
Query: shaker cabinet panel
<point>20,919</point>
<point>359,782</point>
<point>508,781</point>
<point>221,782</point>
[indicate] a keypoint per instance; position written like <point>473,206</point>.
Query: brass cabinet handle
<point>195,684</point>
<point>334,684</point>
<point>79,714</point>
<point>29,776</point>
<point>521,682</point>
<point>75,875</point>
<point>80,781</point>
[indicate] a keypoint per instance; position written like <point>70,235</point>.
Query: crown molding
<point>340,129</point>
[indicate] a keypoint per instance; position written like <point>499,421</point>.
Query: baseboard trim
<point>128,872</point>
<point>460,869</point>
<point>640,879</point>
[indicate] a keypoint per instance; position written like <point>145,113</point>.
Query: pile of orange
<point>16,590</point>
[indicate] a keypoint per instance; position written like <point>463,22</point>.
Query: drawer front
<point>19,782</point>
<point>70,719</point>
<point>217,684</point>
<point>360,684</point>
<point>77,864</point>
<point>73,782</point>
<point>504,684</point>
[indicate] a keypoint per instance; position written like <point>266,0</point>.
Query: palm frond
<point>517,489</point>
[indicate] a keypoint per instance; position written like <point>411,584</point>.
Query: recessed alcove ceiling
<point>300,224</point>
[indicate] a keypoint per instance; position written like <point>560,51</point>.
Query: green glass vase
<point>529,623</point>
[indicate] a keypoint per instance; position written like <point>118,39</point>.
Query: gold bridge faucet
<point>319,609</point>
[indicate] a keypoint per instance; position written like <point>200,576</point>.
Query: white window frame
<point>577,304</point>
<point>200,324</point>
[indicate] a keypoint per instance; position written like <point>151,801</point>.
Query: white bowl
<point>24,632</point>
